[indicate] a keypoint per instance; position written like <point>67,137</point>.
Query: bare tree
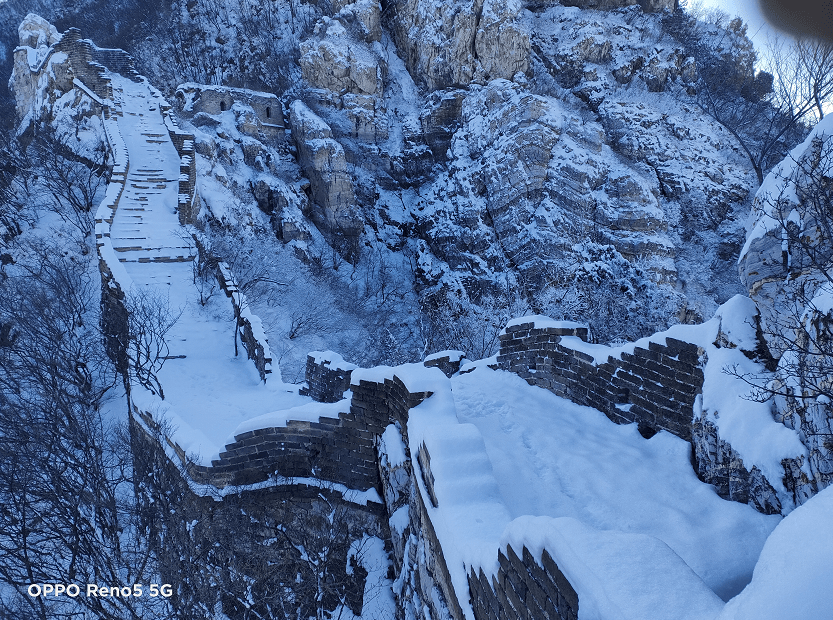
<point>766,111</point>
<point>67,508</point>
<point>814,65</point>
<point>150,318</point>
<point>248,271</point>
<point>15,179</point>
<point>800,217</point>
<point>71,176</point>
<point>796,327</point>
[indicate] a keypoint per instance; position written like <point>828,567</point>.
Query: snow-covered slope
<point>553,458</point>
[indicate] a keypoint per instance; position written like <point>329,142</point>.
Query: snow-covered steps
<point>208,388</point>
<point>146,227</point>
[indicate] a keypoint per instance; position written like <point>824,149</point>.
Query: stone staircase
<point>146,226</point>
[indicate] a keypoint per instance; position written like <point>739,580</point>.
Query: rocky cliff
<point>518,155</point>
<point>785,265</point>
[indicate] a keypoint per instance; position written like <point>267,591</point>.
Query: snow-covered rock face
<point>458,42</point>
<point>37,36</point>
<point>539,176</point>
<point>541,166</point>
<point>770,266</point>
<point>783,266</point>
<point>647,5</point>
<point>36,32</point>
<point>534,170</point>
<point>365,14</point>
<point>323,161</point>
<point>331,59</point>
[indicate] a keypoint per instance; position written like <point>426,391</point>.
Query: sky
<point>750,13</point>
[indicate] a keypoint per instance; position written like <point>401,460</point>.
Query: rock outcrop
<point>785,266</point>
<point>788,245</point>
<point>323,161</point>
<point>332,59</point>
<point>458,42</point>
<point>647,5</point>
<point>363,15</point>
<point>531,179</point>
<point>720,465</point>
<point>36,38</point>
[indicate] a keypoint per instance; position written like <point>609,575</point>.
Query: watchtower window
<point>222,106</point>
<point>268,112</point>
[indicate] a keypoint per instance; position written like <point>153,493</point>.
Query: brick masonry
<point>340,450</point>
<point>253,532</point>
<point>327,377</point>
<point>187,200</point>
<point>257,350</point>
<point>523,588</point>
<point>654,387</point>
<point>447,361</point>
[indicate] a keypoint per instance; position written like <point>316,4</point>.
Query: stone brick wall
<point>254,341</point>
<point>217,99</point>
<point>447,361</point>
<point>89,62</point>
<point>187,204</point>
<point>327,376</point>
<point>654,387</point>
<point>524,589</point>
<point>418,556</point>
<point>251,532</point>
<point>340,450</point>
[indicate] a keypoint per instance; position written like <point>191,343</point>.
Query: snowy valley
<point>469,310</point>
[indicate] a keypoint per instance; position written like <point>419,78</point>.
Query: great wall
<point>367,416</point>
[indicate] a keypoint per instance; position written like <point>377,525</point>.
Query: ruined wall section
<point>327,376</point>
<point>250,531</point>
<point>340,450</point>
<point>248,324</point>
<point>654,387</point>
<point>187,199</point>
<point>91,63</point>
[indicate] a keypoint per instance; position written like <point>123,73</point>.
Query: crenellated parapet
<point>658,384</point>
<point>655,386</point>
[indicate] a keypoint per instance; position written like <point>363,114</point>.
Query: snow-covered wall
<point>654,386</point>
<point>327,376</point>
<point>660,383</point>
<point>250,328</point>
<point>217,547</point>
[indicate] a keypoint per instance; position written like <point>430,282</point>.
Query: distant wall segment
<point>654,387</point>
